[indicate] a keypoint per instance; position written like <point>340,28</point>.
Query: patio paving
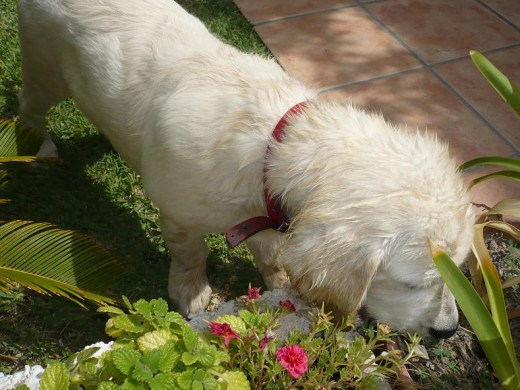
<point>409,60</point>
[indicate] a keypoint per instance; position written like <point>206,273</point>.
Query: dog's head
<point>361,231</point>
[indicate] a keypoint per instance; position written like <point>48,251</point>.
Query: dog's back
<point>108,55</point>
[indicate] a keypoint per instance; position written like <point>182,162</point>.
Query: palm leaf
<point>18,140</point>
<point>53,261</point>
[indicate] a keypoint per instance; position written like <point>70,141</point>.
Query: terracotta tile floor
<point>407,59</point>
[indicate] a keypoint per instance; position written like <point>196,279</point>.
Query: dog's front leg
<point>188,285</point>
<point>265,249</point>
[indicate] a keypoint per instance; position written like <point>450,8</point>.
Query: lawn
<point>94,192</point>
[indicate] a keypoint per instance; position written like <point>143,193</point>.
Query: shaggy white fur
<point>194,116</point>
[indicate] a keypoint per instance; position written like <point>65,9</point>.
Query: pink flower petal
<point>294,359</point>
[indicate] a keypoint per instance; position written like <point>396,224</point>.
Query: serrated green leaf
<point>129,384</point>
<point>169,358</point>
<point>55,377</point>
<point>188,358</point>
<point>236,323</point>
<point>234,380</point>
<point>184,380</point>
<point>125,358</point>
<point>207,355</point>
<point>221,357</point>
<point>164,382</point>
<point>190,339</point>
<point>111,330</point>
<point>175,318</point>
<point>86,354</point>
<point>110,310</point>
<point>155,339</point>
<point>159,307</point>
<point>144,308</point>
<point>141,372</point>
<point>89,367</point>
<point>152,359</point>
<point>127,303</point>
<point>204,380</point>
<point>108,386</point>
<point>129,323</point>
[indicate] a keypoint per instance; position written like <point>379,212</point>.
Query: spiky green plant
<point>491,325</point>
<point>41,256</point>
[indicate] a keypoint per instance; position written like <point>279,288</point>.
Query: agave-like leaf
<point>51,260</point>
<point>505,88</point>
<point>510,163</point>
<point>18,140</point>
<point>500,174</point>
<point>507,207</point>
<point>511,282</point>
<point>482,322</point>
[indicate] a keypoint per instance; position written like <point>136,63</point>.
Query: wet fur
<point>193,116</point>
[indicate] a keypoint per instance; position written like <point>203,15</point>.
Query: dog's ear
<point>324,264</point>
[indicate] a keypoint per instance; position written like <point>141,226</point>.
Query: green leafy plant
<point>327,357</point>
<point>153,349</point>
<point>491,326</point>
<point>41,256</point>
<point>509,207</point>
<point>492,329</point>
<point>157,349</point>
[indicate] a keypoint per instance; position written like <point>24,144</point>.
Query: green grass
<point>93,191</point>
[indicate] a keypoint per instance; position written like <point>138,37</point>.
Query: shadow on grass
<point>107,205</point>
<point>111,208</point>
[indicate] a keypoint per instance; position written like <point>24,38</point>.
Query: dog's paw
<point>275,279</point>
<point>48,149</point>
<point>190,298</point>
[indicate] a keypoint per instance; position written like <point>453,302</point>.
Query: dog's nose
<point>443,333</point>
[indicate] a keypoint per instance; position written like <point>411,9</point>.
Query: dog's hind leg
<point>188,285</point>
<point>265,247</point>
<point>43,83</point>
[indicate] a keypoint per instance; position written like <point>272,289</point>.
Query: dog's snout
<point>443,333</point>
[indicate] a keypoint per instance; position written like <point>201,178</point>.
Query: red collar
<point>276,218</point>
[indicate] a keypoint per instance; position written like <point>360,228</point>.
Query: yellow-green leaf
<point>55,377</point>
<point>504,87</point>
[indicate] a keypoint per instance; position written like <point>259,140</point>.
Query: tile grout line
<point>499,15</point>
<point>423,64</point>
<point>413,69</point>
<point>450,88</point>
<point>365,81</point>
<point>302,14</point>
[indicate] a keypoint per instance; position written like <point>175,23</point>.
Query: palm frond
<point>54,261</point>
<point>18,140</point>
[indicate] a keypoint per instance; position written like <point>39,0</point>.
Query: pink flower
<point>288,305</point>
<point>294,359</point>
<point>224,330</point>
<point>253,293</point>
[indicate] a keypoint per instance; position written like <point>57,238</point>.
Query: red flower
<point>253,293</point>
<point>225,330</point>
<point>269,336</point>
<point>294,359</point>
<point>288,305</point>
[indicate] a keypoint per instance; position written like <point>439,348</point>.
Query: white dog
<point>195,116</point>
